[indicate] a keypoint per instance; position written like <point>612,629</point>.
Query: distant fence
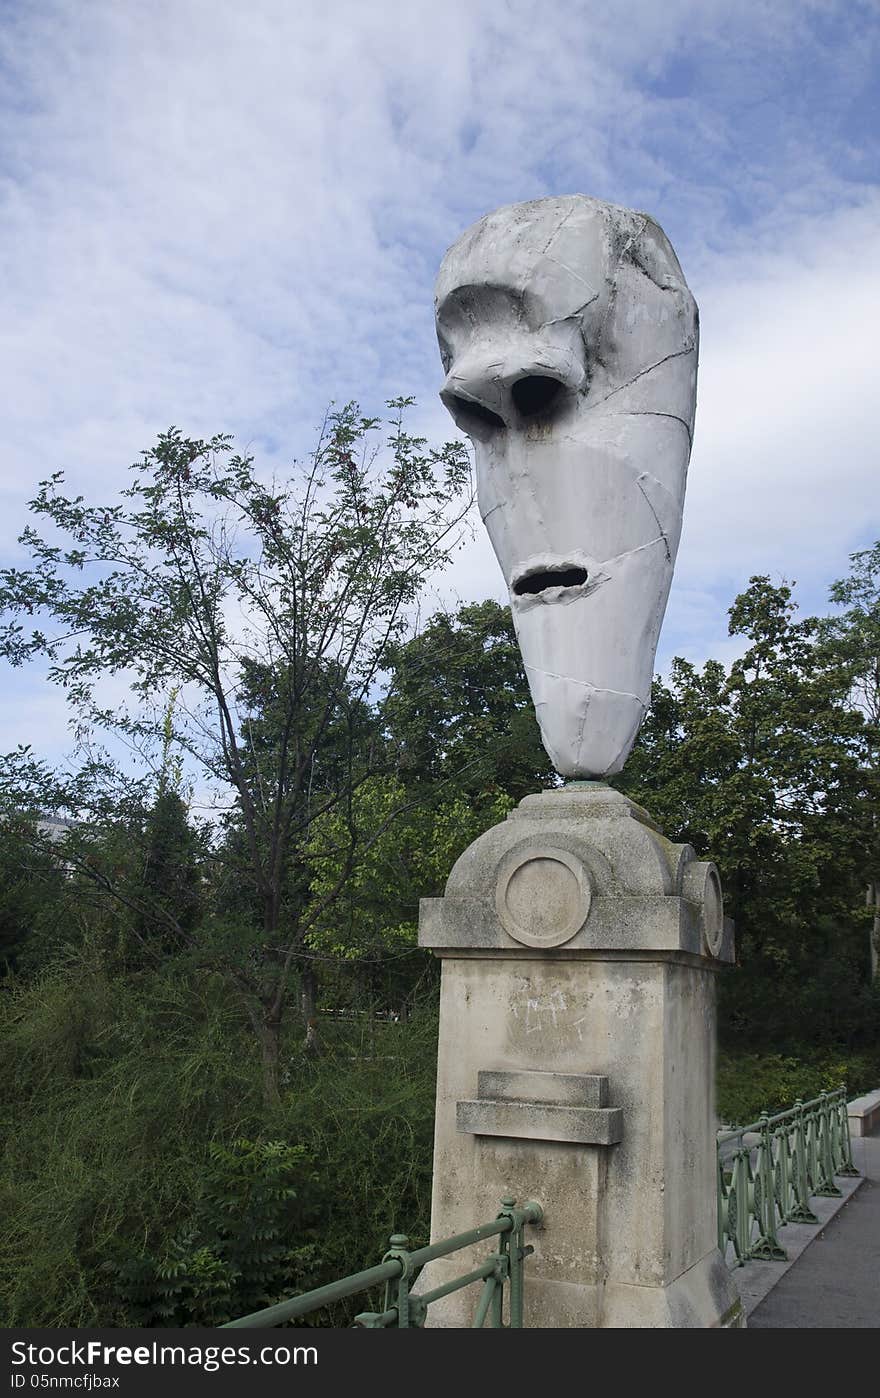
<point>769,1171</point>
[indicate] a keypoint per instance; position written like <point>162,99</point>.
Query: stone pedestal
<point>576,1062</point>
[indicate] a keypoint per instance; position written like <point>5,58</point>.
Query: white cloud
<point>221,216</point>
<point>785,465</point>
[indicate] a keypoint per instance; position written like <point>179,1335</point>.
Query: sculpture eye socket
<point>536,394</point>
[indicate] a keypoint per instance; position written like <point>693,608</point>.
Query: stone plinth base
<point>576,1063</point>
<point>703,1297</point>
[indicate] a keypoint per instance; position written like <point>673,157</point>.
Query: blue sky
<point>223,215</point>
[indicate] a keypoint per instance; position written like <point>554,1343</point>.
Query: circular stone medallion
<point>702,886</point>
<point>713,912</point>
<point>542,896</point>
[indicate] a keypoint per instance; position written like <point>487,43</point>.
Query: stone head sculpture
<point>569,340</point>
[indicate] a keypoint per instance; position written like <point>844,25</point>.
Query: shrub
<point>750,1083</point>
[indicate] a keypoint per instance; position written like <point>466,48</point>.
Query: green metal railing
<point>399,1269</point>
<point>766,1182</point>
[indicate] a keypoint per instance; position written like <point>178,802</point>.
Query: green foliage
<point>111,1092</point>
<point>459,709</point>
<point>170,889</point>
<point>850,641</point>
<point>33,903</point>
<point>269,612</point>
<point>171,1154</point>
<point>763,769</point>
<point>851,637</point>
<point>750,1083</point>
<point>141,1178</point>
<point>234,1255</point>
<point>411,845</point>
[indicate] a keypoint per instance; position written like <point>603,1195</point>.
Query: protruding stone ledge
<point>651,924</point>
<point>533,1085</point>
<point>536,1121</point>
<point>539,1106</point>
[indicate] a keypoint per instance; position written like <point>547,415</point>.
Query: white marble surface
<point>569,339</point>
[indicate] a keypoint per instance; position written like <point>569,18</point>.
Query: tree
<point>851,641</point>
<point>458,722</point>
<point>459,708</point>
<point>206,580</point>
<point>97,861</point>
<point>853,637</point>
<point>32,896</point>
<point>762,768</point>
<point>377,916</point>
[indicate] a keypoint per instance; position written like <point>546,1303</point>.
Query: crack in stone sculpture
<point>548,311</point>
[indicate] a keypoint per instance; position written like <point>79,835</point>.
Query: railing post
<point>847,1167</point>
<point>517,1251</point>
<point>742,1198</point>
<point>826,1186</point>
<point>399,1252</point>
<point>802,1213</point>
<point>721,1196</point>
<point>811,1131</point>
<point>767,1245</point>
<point>511,1248</point>
<point>783,1172</point>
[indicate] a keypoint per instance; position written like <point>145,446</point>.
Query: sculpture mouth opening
<point>535,395</point>
<point>533,583</point>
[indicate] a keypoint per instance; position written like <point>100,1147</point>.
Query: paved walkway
<point>835,1283</point>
